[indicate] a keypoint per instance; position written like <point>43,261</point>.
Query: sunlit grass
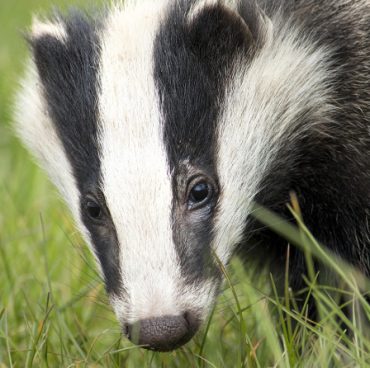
<point>53,309</point>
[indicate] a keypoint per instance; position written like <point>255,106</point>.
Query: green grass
<point>53,309</point>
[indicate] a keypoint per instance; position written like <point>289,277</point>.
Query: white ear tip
<point>55,29</point>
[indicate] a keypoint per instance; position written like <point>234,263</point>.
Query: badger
<point>162,123</point>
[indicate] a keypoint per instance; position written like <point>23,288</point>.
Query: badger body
<point>162,123</point>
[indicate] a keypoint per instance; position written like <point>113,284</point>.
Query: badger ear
<point>47,40</point>
<point>54,29</point>
<point>257,21</point>
<point>217,30</point>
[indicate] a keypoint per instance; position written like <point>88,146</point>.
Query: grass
<point>53,309</point>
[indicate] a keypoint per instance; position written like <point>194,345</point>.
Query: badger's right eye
<point>93,210</point>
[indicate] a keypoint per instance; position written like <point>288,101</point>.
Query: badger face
<point>131,117</point>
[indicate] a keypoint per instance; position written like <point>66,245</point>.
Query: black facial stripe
<point>68,72</point>
<point>191,66</point>
<point>105,241</point>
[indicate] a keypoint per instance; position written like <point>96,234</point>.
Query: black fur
<point>330,172</point>
<point>68,73</point>
<point>191,63</point>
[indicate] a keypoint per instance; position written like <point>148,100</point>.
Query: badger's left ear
<point>217,30</point>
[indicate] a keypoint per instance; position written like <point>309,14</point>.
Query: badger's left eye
<point>199,194</point>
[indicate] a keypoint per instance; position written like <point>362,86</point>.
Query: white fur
<point>34,126</point>
<point>55,29</point>
<point>135,171</point>
<point>289,71</point>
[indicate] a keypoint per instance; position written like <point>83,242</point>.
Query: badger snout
<point>163,333</point>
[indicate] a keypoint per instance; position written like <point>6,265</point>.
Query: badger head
<point>129,115</point>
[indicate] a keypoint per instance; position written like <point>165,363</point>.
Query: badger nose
<point>163,333</point>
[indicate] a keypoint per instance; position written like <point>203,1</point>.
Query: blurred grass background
<point>53,309</point>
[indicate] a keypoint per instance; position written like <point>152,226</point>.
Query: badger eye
<point>93,210</point>
<point>199,194</point>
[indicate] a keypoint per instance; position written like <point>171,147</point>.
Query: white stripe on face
<point>135,176</point>
<point>262,107</point>
<point>35,127</point>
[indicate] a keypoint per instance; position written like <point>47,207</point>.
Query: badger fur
<point>162,122</point>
